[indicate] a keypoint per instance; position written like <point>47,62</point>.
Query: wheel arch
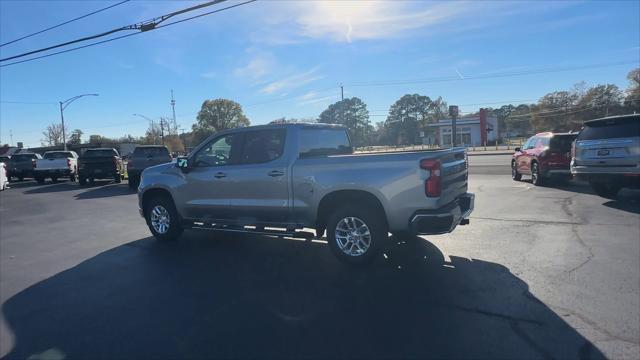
<point>338,198</point>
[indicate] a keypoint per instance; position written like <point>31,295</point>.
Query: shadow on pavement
<point>627,200</point>
<point>101,189</point>
<point>53,187</point>
<point>261,297</point>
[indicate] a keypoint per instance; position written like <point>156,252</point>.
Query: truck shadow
<point>261,297</point>
<point>53,187</point>
<point>101,189</point>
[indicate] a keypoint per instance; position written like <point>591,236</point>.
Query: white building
<point>470,131</point>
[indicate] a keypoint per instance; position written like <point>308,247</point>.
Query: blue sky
<point>287,58</point>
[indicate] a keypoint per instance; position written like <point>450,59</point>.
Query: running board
<point>251,230</point>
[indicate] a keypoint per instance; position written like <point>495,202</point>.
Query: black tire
<point>370,217</point>
<point>175,229</point>
<point>54,179</point>
<point>72,177</point>
<point>536,177</point>
<point>20,178</point>
<point>515,175</point>
<point>133,183</point>
<point>40,180</point>
<point>117,178</point>
<point>606,190</point>
<point>82,180</point>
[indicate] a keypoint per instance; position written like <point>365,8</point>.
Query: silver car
<point>607,154</point>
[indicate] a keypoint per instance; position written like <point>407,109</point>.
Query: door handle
<point>220,175</point>
<point>275,173</point>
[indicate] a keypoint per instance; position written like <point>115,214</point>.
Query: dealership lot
<point>539,272</point>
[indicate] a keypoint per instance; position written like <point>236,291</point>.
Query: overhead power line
<point>128,35</point>
<point>141,26</point>
<point>64,23</point>
<point>29,102</point>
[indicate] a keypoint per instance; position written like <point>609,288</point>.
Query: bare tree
<point>53,135</point>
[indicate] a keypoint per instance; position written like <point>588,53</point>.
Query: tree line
<point>407,119</point>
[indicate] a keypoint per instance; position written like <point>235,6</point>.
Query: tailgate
<point>51,164</point>
<point>455,175</point>
<point>608,152</point>
<point>105,165</point>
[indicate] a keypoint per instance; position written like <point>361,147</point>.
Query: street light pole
<point>63,105</point>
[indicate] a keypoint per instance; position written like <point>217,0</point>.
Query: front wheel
<point>515,175</point>
<point>162,218</point>
<point>536,177</point>
<point>606,190</point>
<point>356,233</point>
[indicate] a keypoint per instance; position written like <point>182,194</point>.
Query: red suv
<point>544,156</point>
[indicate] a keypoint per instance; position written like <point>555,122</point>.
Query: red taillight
<point>33,163</point>
<point>69,163</point>
<point>433,185</point>
<point>115,162</point>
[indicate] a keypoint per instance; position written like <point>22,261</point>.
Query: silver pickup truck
<point>294,176</point>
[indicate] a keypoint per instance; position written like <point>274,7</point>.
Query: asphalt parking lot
<point>541,272</point>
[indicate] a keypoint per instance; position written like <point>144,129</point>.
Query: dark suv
<point>543,156</point>
<point>607,154</point>
<point>144,157</point>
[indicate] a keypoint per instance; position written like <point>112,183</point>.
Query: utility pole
<point>173,108</point>
<point>162,130</point>
<point>11,136</point>
<point>453,112</point>
<point>63,105</point>
<point>341,92</point>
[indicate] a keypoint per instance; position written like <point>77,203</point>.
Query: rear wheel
<point>133,182</point>
<point>606,190</point>
<point>20,178</point>
<point>40,180</point>
<point>72,177</point>
<point>514,172</point>
<point>54,179</point>
<point>536,177</point>
<point>118,178</point>
<point>162,218</point>
<point>82,180</point>
<point>355,233</point>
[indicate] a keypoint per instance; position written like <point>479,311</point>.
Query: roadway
<point>541,272</point>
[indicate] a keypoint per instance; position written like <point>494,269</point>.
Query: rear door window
<point>263,146</point>
<point>318,142</point>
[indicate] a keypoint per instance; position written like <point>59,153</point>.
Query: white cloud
<point>292,81</point>
<point>209,74</point>
<point>315,100</point>
<point>260,65</point>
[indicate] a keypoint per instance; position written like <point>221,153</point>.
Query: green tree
<point>599,101</point>
<point>410,115</point>
<point>353,114</point>
<point>217,115</point>
<point>76,137</point>
<point>632,98</point>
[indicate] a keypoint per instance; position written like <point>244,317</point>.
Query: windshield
<point>151,152</point>
<point>562,143</point>
<point>23,157</point>
<point>57,155</point>
<point>99,153</point>
<point>610,131</point>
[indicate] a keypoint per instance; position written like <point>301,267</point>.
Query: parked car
<point>5,159</point>
<point>4,180</point>
<point>21,165</point>
<point>100,163</point>
<point>544,156</point>
<point>55,165</point>
<point>292,176</point>
<point>144,157</point>
<point>607,154</point>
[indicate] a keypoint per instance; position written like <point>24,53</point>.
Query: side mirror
<point>182,162</point>
<point>517,149</point>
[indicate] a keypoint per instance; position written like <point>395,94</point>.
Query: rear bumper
<point>443,220</point>
<point>52,172</point>
<point>98,173</point>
